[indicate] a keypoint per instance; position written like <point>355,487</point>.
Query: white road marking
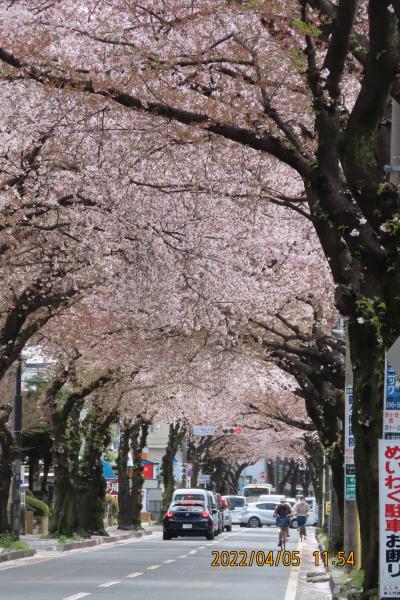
<point>201,547</point>
<point>135,574</point>
<point>108,584</point>
<point>169,560</point>
<point>182,556</point>
<point>293,579</point>
<point>193,552</point>
<point>153,567</point>
<point>77,596</point>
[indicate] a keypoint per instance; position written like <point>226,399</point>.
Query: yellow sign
<point>327,508</point>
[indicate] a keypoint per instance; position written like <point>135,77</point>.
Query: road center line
<point>169,560</point>
<point>108,584</point>
<point>135,574</point>
<point>182,556</point>
<point>153,567</point>
<point>77,596</point>
<point>193,552</point>
<point>201,548</point>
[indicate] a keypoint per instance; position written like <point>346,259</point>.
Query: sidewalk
<point>36,542</point>
<point>313,581</point>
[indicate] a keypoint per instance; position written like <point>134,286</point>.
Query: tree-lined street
<point>152,569</point>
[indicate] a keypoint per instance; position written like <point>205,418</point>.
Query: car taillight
<point>205,515</point>
<point>169,514</point>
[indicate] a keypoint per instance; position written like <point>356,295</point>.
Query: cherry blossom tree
<point>208,65</point>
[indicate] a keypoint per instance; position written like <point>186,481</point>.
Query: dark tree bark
<point>92,485</point>
<point>133,436</point>
<point>6,459</point>
<point>177,432</point>
<point>124,504</point>
<point>63,414</point>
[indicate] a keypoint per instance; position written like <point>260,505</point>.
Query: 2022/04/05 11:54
<point>341,559</point>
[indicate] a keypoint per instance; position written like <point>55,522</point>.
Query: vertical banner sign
<point>389,518</point>
<point>350,473</point>
<point>391,411</point>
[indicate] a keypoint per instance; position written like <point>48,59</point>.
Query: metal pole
<point>17,435</point>
<point>184,462</point>
<point>395,142</point>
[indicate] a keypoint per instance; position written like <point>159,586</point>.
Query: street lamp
<point>17,435</point>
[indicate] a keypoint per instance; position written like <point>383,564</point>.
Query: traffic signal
<point>235,430</point>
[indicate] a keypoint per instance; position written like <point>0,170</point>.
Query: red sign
<point>112,487</point>
<point>148,470</point>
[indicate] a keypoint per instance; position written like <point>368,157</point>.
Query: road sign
<point>389,474</point>
<point>393,356</point>
<point>350,483</point>
<point>262,473</point>
<point>203,430</point>
<point>349,441</point>
<point>391,406</point>
<point>189,473</point>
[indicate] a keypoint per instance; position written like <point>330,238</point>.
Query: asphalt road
<point>152,569</point>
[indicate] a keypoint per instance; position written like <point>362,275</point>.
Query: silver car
<point>258,514</point>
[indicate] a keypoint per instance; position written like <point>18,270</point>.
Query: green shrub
<point>39,507</point>
<point>7,541</point>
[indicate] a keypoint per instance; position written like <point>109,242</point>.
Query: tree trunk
<point>66,446</point>
<point>124,498</point>
<point>168,478</point>
<point>336,461</point>
<point>138,440</point>
<point>5,483</point>
<point>195,477</point>
<point>6,460</point>
<point>62,518</point>
<point>285,478</point>
<point>367,357</point>
<point>175,437</point>
<point>293,481</point>
<point>92,485</point>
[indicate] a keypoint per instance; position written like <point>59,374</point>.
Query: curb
<point>100,541</point>
<point>334,585</point>
<point>14,554</point>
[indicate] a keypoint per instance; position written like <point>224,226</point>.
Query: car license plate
<point>187,526</point>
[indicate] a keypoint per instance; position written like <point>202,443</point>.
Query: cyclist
<point>283,512</point>
<point>302,510</point>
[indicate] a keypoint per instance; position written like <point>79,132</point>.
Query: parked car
<point>188,518</point>
<point>236,503</point>
<point>258,514</point>
<point>209,499</point>
<point>215,512</point>
<point>226,515</point>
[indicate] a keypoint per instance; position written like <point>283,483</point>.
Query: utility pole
<point>395,143</point>
<point>184,462</point>
<point>17,435</point>
<point>351,523</point>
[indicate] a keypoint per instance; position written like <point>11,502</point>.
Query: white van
<point>204,496</point>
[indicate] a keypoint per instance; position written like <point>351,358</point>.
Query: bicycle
<point>283,524</point>
<point>301,522</point>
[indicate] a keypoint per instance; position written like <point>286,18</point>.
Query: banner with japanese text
<point>389,518</point>
<point>391,410</point>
